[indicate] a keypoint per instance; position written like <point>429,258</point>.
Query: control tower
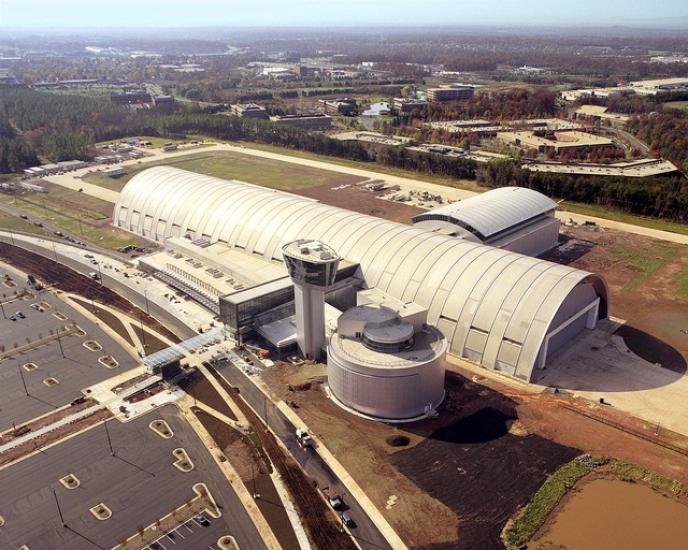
<point>312,266</point>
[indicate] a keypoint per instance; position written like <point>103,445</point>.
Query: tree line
<point>655,196</point>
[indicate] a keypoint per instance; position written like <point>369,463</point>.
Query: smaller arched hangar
<point>511,218</point>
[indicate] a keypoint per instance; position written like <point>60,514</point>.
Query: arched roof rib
<point>466,286</point>
<point>493,212</point>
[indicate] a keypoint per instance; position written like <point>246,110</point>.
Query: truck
<point>303,438</point>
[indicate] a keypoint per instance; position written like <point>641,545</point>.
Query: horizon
<point>82,15</point>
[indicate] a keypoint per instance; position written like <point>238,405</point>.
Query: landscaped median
<point>521,528</point>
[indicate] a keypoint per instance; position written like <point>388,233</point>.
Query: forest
<point>666,133</point>
<point>660,196</point>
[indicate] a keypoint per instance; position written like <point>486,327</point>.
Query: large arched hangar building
<point>506,311</point>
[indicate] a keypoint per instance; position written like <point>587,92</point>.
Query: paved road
<point>366,533</point>
<point>634,141</point>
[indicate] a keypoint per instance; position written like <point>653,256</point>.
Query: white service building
<point>501,309</point>
<point>384,362</point>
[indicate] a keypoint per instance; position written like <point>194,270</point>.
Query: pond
<point>610,514</point>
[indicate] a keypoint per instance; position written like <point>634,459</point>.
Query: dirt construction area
<point>479,461</point>
<point>361,200</point>
<point>648,284</point>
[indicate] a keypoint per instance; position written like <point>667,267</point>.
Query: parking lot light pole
<point>2,306</point>
<point>59,510</point>
<point>21,373</point>
<point>107,433</point>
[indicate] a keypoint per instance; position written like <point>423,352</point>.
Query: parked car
<point>346,520</point>
<point>13,318</point>
<point>20,315</point>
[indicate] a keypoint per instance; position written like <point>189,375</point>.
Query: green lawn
<point>155,141</point>
<point>613,214</point>
<point>682,277</point>
<point>470,185</point>
<point>681,105</point>
<point>73,212</point>
<point>222,164</point>
<point>645,262</point>
<point>14,223</point>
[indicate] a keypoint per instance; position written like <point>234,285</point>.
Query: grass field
<point>281,175</point>
<point>470,185</point>
<point>13,223</point>
<point>71,211</point>
<point>222,164</point>
<point>645,263</point>
<point>155,141</point>
<point>681,105</point>
<point>608,213</point>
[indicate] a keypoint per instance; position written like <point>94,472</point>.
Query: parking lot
<point>139,484</point>
<point>29,371</point>
<point>199,533</point>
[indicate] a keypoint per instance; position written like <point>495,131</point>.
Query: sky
<point>281,13</point>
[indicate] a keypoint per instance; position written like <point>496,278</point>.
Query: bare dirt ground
<point>483,458</point>
<point>363,201</point>
<point>644,276</point>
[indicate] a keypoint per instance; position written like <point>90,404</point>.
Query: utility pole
<point>145,297</point>
<point>100,275</point>
<point>2,306</point>
<point>107,433</point>
<point>59,510</point>
<point>55,251</point>
<point>21,373</point>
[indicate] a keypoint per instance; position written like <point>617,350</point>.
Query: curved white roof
<point>494,211</point>
<point>496,303</point>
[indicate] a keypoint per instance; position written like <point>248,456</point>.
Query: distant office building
<point>451,92</point>
<point>128,98</point>
<point>408,104</point>
<point>170,147</point>
<point>67,83</point>
<point>164,102</point>
<point>249,110</point>
<point>310,121</point>
<point>114,172</point>
<point>342,106</point>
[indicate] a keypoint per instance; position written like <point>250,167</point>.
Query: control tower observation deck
<point>312,266</point>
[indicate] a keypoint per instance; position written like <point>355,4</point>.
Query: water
<point>610,514</point>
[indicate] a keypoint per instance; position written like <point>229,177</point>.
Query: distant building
<point>163,102</point>
<point>343,106</point>
<point>67,83</point>
<point>114,172</point>
<point>309,121</point>
<point>170,147</point>
<point>249,110</point>
<point>452,92</point>
<point>128,98</point>
<point>107,160</point>
<point>69,165</point>
<point>561,142</point>
<point>408,104</point>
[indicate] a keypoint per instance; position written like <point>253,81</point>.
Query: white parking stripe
<point>178,533</point>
